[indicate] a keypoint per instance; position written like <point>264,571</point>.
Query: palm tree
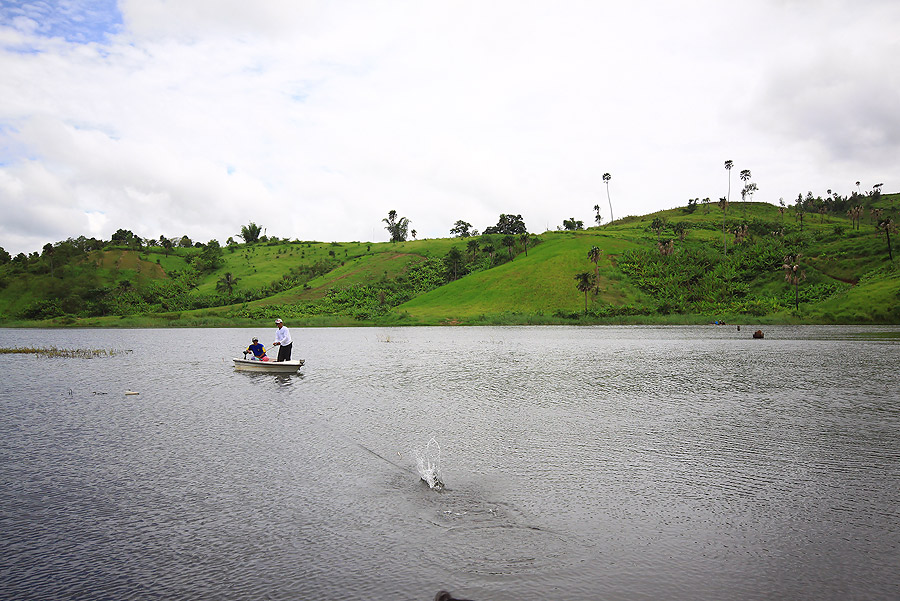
<point>226,283</point>
<point>250,233</point>
<point>888,227</point>
<point>728,165</point>
<point>594,256</point>
<point>723,202</point>
<point>584,283</point>
<point>597,217</point>
<point>397,228</point>
<point>606,178</point>
<point>793,276</point>
<point>524,238</point>
<point>489,249</point>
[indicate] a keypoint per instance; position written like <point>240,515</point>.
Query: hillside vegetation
<point>694,264</point>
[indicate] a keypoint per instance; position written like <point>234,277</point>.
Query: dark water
<point>579,463</point>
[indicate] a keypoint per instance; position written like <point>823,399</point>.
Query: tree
<point>461,229</point>
<point>511,225</point>
<point>886,227</point>
<point>749,190</point>
<point>728,165</point>
<point>453,259</point>
<point>745,175</point>
<point>227,283</point>
<point>594,256</point>
<point>396,227</point>
<point>571,224</point>
<point>681,229</point>
<point>658,225</point>
<point>123,236</point>
<point>48,252</point>
<point>585,283</point>
<point>793,275</point>
<point>509,242</point>
<point>524,238</point>
<point>210,258</point>
<point>606,178</point>
<point>854,214</point>
<point>413,234</point>
<point>489,249</point>
<point>597,217</point>
<point>472,247</point>
<point>723,202</point>
<point>166,244</point>
<point>4,256</point>
<point>185,242</point>
<point>250,233</point>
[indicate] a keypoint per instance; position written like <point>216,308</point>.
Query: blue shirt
<point>257,349</point>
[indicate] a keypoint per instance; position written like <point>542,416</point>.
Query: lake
<point>582,463</point>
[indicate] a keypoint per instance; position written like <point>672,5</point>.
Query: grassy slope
<point>541,283</point>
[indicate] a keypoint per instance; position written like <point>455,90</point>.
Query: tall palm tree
<point>524,238</point>
<point>584,283</point>
<point>606,178</point>
<point>723,202</point>
<point>594,256</point>
<point>728,165</point>
<point>745,177</point>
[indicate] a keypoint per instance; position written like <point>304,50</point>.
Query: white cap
<point>278,320</point>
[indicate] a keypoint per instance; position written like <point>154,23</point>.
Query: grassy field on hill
<point>685,265</point>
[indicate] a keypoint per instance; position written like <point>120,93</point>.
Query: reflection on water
<point>577,463</point>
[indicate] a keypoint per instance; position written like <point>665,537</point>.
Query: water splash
<point>429,465</point>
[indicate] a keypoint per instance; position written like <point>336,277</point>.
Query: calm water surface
<point>585,463</point>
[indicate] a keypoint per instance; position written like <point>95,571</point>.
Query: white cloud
<point>314,119</point>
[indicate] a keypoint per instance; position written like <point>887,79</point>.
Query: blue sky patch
<point>76,21</point>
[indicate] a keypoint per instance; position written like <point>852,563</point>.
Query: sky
<point>313,119</point>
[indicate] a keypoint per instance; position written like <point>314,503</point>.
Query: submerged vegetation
<point>821,260</point>
<point>58,352</point>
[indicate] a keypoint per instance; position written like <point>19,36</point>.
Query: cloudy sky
<point>313,119</point>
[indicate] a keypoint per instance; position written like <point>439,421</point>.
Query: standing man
<point>283,341</point>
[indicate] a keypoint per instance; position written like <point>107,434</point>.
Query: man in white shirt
<point>283,341</point>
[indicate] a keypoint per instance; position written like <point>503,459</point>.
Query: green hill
<point>674,266</point>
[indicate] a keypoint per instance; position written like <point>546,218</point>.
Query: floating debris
<point>62,352</point>
<point>130,392</point>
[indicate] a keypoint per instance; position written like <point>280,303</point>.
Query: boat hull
<point>272,367</point>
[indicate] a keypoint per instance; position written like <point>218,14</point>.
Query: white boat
<point>272,367</point>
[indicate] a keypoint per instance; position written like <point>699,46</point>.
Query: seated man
<point>258,350</point>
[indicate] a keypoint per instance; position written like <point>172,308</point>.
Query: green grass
<point>850,268</point>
